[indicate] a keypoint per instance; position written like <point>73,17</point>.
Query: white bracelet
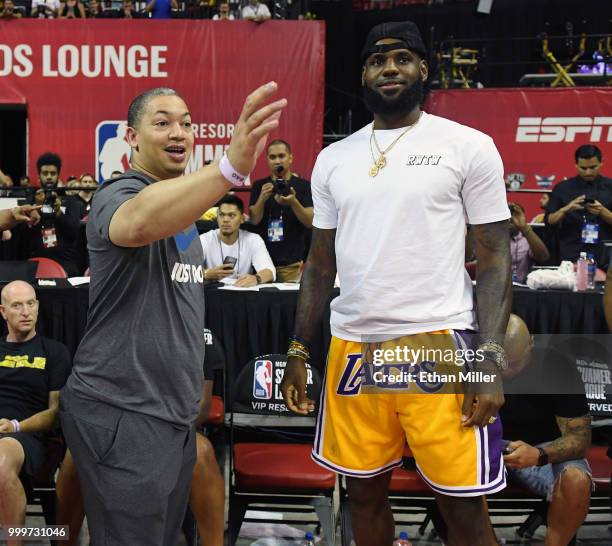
<point>15,425</point>
<point>231,174</point>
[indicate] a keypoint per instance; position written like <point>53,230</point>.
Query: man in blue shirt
<point>161,9</point>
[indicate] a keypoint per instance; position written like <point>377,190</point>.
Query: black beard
<point>397,107</point>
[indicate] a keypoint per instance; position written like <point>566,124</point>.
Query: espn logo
<point>564,129</point>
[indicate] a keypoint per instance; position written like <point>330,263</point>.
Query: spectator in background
<point>549,429</point>
<point>256,11</point>
<point>525,245</point>
<point>71,182</point>
<point>539,218</point>
<point>224,12</point>
<point>283,215</point>
<point>44,9</point>
<point>579,208</point>
<point>23,190</point>
<point>115,174</point>
<point>246,251</point>
<point>3,178</point>
<point>6,183</point>
<point>127,11</point>
<point>93,9</point>
<point>33,371</point>
<point>58,229</point>
<point>8,11</point>
<point>84,196</point>
<point>71,9</point>
<point>161,9</point>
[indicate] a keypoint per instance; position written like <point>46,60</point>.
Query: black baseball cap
<point>407,32</point>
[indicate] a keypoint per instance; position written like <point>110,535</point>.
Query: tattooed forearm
<point>493,277</point>
<point>317,283</point>
<point>574,442</point>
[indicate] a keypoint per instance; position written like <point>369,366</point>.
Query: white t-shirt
<point>249,251</point>
<point>217,18</point>
<point>52,4</point>
<point>260,10</point>
<point>400,235</point>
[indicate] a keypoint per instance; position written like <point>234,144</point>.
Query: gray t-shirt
<point>143,348</point>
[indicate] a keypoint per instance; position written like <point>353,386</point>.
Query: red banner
<point>535,130</point>
<point>77,79</point>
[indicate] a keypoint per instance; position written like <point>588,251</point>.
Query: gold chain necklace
<point>381,162</point>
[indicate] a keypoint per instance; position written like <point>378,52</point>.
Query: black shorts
<point>34,449</point>
<point>135,472</point>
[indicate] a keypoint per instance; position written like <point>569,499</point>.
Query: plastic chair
<point>49,269</point>
<point>270,463</point>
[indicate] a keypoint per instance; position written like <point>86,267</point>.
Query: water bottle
<point>592,269</point>
<point>402,540</point>
<point>308,539</point>
<point>582,273</point>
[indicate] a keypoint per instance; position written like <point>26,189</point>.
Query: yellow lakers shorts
<point>370,407</point>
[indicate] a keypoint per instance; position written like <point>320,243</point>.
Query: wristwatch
<point>543,457</point>
<point>257,276</point>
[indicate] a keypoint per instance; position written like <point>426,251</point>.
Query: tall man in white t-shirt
<point>233,252</point>
<point>390,203</point>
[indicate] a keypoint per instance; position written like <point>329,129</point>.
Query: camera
<point>281,186</point>
<point>47,206</point>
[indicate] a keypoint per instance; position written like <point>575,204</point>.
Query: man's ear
<point>424,69</point>
<point>132,138</point>
<point>2,312</point>
<point>363,77</point>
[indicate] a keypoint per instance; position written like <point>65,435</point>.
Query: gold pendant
<point>380,163</point>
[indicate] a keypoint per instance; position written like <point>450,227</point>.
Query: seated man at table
<point>207,497</point>
<point>33,369</point>
<point>230,252</point>
<point>525,245</point>
<point>549,429</point>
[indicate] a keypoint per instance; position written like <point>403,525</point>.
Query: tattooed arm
<point>315,290</point>
<point>573,443</point>
<point>317,282</point>
<point>494,300</point>
<point>575,439</point>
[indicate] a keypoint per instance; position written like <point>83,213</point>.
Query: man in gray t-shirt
<point>129,406</point>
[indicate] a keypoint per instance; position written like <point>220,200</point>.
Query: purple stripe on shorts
<point>345,472</point>
<point>321,415</point>
<point>483,476</point>
<point>495,448</point>
<point>472,491</point>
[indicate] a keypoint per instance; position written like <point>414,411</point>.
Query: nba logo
<point>262,379</point>
<point>112,150</point>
